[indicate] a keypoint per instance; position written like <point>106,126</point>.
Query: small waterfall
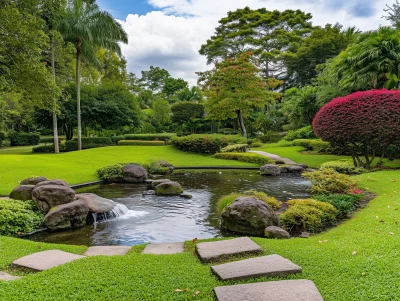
<point>119,210</point>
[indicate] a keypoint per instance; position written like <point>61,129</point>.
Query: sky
<point>169,33</point>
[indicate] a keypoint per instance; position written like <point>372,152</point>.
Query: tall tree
<point>233,89</point>
<point>393,14</point>
<point>89,28</point>
<point>154,79</point>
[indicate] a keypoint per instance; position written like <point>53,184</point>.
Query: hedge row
<point>245,157</point>
<point>23,139</point>
<point>140,143</point>
<point>235,148</point>
<point>313,145</point>
<point>150,137</point>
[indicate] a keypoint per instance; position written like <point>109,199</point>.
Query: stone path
<point>285,290</point>
<point>273,157</point>
<point>107,250</point>
<point>166,248</point>
<point>7,277</point>
<point>266,266</point>
<point>212,251</point>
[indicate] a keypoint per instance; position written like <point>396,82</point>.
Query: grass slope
<point>78,167</point>
<point>372,273</point>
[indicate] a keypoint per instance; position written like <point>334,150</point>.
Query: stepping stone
<point>266,266</point>
<point>45,260</point>
<point>107,250</point>
<point>211,251</point>
<point>166,248</point>
<point>7,277</point>
<point>285,290</point>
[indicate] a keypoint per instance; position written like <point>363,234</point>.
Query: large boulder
<point>134,173</point>
<point>169,188</point>
<point>33,181</point>
<point>276,232</point>
<point>96,203</point>
<point>248,215</point>
<point>292,169</point>
<point>155,183</point>
<point>22,193</point>
<point>270,170</point>
<point>49,194</point>
<point>67,216</point>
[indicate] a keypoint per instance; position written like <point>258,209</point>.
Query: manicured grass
<point>356,261</point>
<point>17,164</point>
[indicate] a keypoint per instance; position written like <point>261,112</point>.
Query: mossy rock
<point>169,188</point>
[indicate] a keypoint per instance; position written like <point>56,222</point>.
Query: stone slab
<point>285,290</point>
<point>211,251</point>
<point>45,260</point>
<point>7,277</point>
<point>165,248</point>
<point>107,250</point>
<point>265,266</point>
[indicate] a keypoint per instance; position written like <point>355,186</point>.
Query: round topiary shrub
<point>364,123</point>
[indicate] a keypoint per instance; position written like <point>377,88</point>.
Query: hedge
<point>150,137</point>
<point>23,139</point>
<point>140,143</point>
<point>50,140</point>
<point>245,157</point>
<point>302,133</point>
<point>235,148</point>
<point>96,140</point>
<point>44,149</point>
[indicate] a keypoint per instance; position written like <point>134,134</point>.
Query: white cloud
<point>171,38</point>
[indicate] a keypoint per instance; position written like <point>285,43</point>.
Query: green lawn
<point>78,167</point>
<point>372,273</point>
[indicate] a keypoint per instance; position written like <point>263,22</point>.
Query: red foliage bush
<point>368,121</point>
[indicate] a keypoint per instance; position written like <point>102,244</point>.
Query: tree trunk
<point>241,122</point>
<point>53,72</point>
<point>78,95</point>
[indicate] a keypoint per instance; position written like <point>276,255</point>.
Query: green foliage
<point>245,157</point>
<point>226,200</point>
<point>19,217</point>
<point>161,117</point>
<point>172,86</point>
<point>160,167</point>
<point>115,139</point>
<point>206,144</point>
<point>150,137</point>
<point>3,136</point>
<point>140,143</point>
<point>308,215</point>
<point>49,140</point>
<point>345,204</point>
<point>316,145</point>
<point>270,137</point>
<point>343,166</point>
<point>154,79</point>
<point>302,133</point>
<point>235,148</point>
<point>49,148</point>
<point>111,171</point>
<point>327,180</point>
<point>97,140</point>
<point>183,111</point>
<point>23,139</point>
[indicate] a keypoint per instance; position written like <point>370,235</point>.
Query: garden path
<point>273,157</point>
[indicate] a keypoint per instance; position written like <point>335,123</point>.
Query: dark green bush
<point>23,139</point>
<point>228,131</point>
<point>345,204</point>
<point>345,166</point>
<point>183,111</point>
<point>302,133</point>
<point>50,140</point>
<point>150,137</point>
<point>44,149</point>
<point>235,148</point>
<point>327,180</point>
<point>19,217</point>
<point>111,171</point>
<point>96,140</point>
<point>271,137</point>
<point>306,143</point>
<point>116,139</point>
<point>245,157</point>
<point>206,144</point>
<point>3,137</point>
<point>140,143</point>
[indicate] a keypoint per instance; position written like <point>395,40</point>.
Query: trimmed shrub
<point>365,123</point>
<point>345,204</point>
<point>19,217</point>
<point>23,139</point>
<point>111,171</point>
<point>313,145</point>
<point>150,137</point>
<point>271,137</point>
<point>344,166</point>
<point>245,157</point>
<point>237,148</point>
<point>256,144</point>
<point>160,167</point>
<point>50,140</point>
<point>116,139</point>
<point>140,143</point>
<point>96,140</point>
<point>44,149</point>
<point>306,143</point>
<point>206,144</point>
<point>308,215</point>
<point>327,180</point>
<point>302,133</point>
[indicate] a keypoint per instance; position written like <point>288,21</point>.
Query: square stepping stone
<point>165,248</point>
<point>107,250</point>
<point>45,260</point>
<point>285,290</point>
<point>266,266</point>
<point>211,251</point>
<point>7,277</point>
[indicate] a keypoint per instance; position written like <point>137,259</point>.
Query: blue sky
<point>121,8</point>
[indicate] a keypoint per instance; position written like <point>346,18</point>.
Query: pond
<point>170,219</point>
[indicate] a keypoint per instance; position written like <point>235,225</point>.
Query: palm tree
<point>89,28</point>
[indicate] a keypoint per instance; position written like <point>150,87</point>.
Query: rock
<point>276,232</point>
<point>186,196</point>
<point>96,203</point>
<point>169,188</point>
<point>304,235</point>
<point>67,216</point>
<point>33,181</point>
<point>154,183</point>
<point>22,193</point>
<point>305,166</point>
<point>294,169</point>
<point>114,179</point>
<point>107,250</point>
<point>7,277</point>
<point>168,165</point>
<point>134,173</point>
<point>49,194</point>
<point>149,192</point>
<point>165,248</point>
<point>248,215</point>
<point>270,170</point>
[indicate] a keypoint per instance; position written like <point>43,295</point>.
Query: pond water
<point>171,219</point>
